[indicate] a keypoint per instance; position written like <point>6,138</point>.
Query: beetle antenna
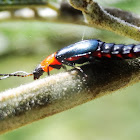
<point>17,73</point>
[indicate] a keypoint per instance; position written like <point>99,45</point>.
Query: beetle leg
<point>48,70</point>
<point>56,66</point>
<point>79,69</point>
<point>64,67</point>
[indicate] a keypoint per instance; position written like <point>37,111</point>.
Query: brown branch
<point>125,15</point>
<point>96,16</point>
<point>45,97</point>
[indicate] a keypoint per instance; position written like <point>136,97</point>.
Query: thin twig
<point>67,14</point>
<point>125,15</point>
<point>63,91</point>
<point>69,11</point>
<point>16,4</point>
<point>96,16</point>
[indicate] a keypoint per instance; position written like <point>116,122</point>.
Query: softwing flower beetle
<point>79,53</point>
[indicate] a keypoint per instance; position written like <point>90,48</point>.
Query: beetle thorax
<point>49,61</point>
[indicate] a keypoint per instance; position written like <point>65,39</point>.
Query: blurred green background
<point>23,44</point>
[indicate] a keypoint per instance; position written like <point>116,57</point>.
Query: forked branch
<point>96,16</point>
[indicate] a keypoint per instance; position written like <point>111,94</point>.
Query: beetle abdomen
<point>111,50</point>
<point>88,50</point>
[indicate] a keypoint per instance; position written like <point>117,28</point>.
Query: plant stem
<point>54,94</point>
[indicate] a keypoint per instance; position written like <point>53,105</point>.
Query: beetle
<point>79,53</point>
